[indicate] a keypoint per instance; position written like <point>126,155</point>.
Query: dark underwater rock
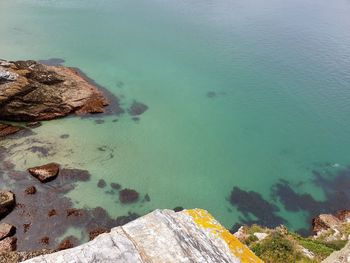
<point>127,196</point>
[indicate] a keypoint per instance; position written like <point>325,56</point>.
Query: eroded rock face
<point>31,91</point>
<point>45,173</point>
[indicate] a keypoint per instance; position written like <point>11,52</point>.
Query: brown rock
<point>7,129</point>
<point>7,202</point>
<point>127,196</point>
<point>30,190</point>
<point>96,232</point>
<point>45,240</point>
<point>8,244</point>
<point>343,215</point>
<point>324,222</point>
<point>67,243</point>
<point>52,212</point>
<point>74,212</point>
<point>43,92</point>
<point>45,173</point>
<point>6,230</point>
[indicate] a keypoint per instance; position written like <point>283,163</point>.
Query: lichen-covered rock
<point>31,91</point>
<point>45,173</point>
<point>162,236</point>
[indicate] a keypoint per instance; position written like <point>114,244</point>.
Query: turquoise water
<point>279,70</point>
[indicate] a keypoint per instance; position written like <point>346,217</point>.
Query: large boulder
<point>31,91</point>
<point>45,173</point>
<point>7,202</point>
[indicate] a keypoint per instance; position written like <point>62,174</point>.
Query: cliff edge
<point>161,236</point>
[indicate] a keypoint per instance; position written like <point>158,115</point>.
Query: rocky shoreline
<point>36,213</point>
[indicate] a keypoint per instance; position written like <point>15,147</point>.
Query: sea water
<point>240,93</point>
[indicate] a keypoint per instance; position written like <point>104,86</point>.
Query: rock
<point>137,108</point>
<point>8,244</point>
<point>67,243</point>
<point>344,216</point>
<point>52,212</point>
<point>122,220</point>
<point>33,124</point>
<point>341,256</point>
<point>7,129</point>
<point>45,173</point>
<point>31,91</point>
<point>162,236</point>
<point>324,222</point>
<point>116,186</point>
<point>260,236</point>
<point>178,209</point>
<point>6,75</point>
<point>7,202</point>
<point>6,230</point>
<point>30,190</point>
<point>96,232</point>
<point>127,196</point>
<point>101,183</point>
<point>45,240</point>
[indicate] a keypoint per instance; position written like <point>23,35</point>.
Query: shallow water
<point>240,93</point>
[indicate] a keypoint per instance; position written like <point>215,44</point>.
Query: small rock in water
<point>96,232</point>
<point>45,173</point>
<point>8,244</point>
<point>34,124</point>
<point>6,230</point>
<point>147,198</point>
<point>64,136</point>
<point>127,196</point>
<point>101,183</point>
<point>7,202</point>
<point>99,121</point>
<point>52,212</point>
<point>45,240</point>
<point>116,186</point>
<point>178,209</point>
<point>68,242</point>
<point>30,190</point>
<point>7,129</point>
<point>137,108</point>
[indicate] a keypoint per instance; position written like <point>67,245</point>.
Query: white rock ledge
<point>162,236</point>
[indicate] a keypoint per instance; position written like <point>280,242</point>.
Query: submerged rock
<point>127,196</point>
<point>31,91</point>
<point>45,173</point>
<point>137,108</point>
<point>30,190</point>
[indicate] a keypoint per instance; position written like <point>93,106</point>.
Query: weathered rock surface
<point>7,202</point>
<point>31,91</point>
<point>161,236</point>
<point>341,256</point>
<point>45,173</point>
<point>8,244</point>
<point>6,230</point>
<point>8,129</point>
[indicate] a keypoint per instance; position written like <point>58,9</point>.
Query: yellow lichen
<point>205,220</point>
